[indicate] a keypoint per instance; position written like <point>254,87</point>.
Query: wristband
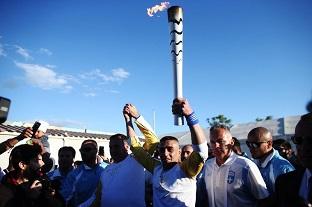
<point>192,119</point>
<point>19,138</point>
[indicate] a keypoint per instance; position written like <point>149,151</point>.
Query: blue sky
<point>76,63</point>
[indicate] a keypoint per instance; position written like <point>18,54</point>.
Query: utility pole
<point>154,120</point>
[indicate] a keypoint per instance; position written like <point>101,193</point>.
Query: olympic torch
<point>175,19</point>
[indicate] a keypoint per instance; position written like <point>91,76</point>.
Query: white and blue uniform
<point>273,166</point>
<point>237,182</point>
<point>80,184</point>
<point>123,184</point>
<point>173,187</point>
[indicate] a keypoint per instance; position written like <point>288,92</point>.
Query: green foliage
<point>220,120</point>
<point>258,119</point>
<point>265,119</point>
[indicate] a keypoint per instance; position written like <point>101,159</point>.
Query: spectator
<point>66,157</point>
<point>277,143</point>
<point>285,150</point>
<point>125,175</point>
<point>237,149</point>
<point>40,137</point>
<point>26,185</point>
<point>186,151</point>
<point>81,183</point>
<point>174,183</point>
<point>231,180</point>
<point>294,188</point>
<point>270,163</point>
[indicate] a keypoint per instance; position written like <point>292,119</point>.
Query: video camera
<point>4,108</point>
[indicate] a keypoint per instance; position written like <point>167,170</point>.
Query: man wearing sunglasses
<point>269,161</point>
<point>295,188</point>
<point>81,183</point>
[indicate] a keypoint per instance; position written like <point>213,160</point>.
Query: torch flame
<point>153,10</point>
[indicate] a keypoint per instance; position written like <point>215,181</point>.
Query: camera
<point>101,150</point>
<point>35,128</point>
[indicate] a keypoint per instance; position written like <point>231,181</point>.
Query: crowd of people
<point>160,172</point>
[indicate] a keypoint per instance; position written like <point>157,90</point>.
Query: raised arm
<point>194,164</point>
<point>10,143</point>
<point>140,154</point>
<point>151,140</point>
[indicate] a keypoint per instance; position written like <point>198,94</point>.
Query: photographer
<point>27,185</point>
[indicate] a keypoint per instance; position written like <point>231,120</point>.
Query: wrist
<point>137,116</point>
<point>19,137</point>
<point>191,119</point>
<point>8,144</point>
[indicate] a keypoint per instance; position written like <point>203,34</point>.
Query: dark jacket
<point>287,188</point>
<point>20,195</point>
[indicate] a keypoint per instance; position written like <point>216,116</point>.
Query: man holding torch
<point>174,182</point>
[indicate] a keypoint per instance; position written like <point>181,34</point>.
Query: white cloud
<point>66,123</point>
<point>44,77</point>
<point>89,94</point>
<point>45,51</point>
<point>120,73</point>
<point>2,52</point>
<point>23,52</point>
<point>113,91</point>
<point>117,75</point>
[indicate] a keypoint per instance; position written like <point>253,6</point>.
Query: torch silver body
<point>175,19</point>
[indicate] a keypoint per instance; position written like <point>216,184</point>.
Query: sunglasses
<point>299,140</point>
<point>254,145</point>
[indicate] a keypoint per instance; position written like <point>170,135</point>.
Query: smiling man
<point>231,180</point>
<point>174,182</point>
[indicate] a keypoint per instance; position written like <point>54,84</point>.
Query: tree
<point>220,120</point>
<point>268,118</point>
<point>265,119</point>
<point>259,119</point>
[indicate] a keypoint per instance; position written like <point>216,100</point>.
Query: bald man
<point>269,161</point>
<point>231,180</point>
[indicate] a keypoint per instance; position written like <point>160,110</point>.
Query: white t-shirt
<point>173,188</point>
<point>123,184</point>
<point>237,182</point>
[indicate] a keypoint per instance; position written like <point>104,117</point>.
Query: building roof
<point>278,127</point>
<point>56,132</point>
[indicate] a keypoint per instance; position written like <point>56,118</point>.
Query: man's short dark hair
<point>67,148</point>
<point>166,138</point>
<point>278,142</point>
<point>286,145</point>
<point>24,153</point>
<point>118,137</point>
<point>89,140</point>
